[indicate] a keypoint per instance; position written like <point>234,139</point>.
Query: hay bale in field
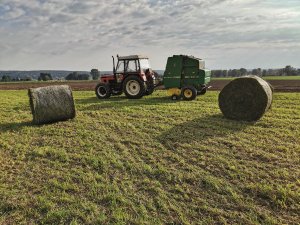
<point>245,98</point>
<point>51,104</point>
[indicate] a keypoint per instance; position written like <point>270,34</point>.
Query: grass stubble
<point>149,161</point>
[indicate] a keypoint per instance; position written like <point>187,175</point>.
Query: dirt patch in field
<point>279,85</point>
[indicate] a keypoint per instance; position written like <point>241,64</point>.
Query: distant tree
<point>243,71</point>
<point>257,72</point>
<point>95,74</point>
<point>84,77</point>
<point>225,73</point>
<point>27,78</point>
<point>72,76</point>
<point>76,76</point>
<point>235,73</point>
<point>287,70</point>
<point>264,73</point>
<point>6,78</point>
<point>217,73</point>
<point>290,71</point>
<point>45,77</point>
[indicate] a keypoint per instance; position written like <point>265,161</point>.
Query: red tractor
<point>132,75</point>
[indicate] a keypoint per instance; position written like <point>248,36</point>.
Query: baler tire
<point>133,84</point>
<point>102,91</point>
<point>189,93</point>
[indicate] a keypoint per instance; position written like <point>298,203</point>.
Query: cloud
<point>73,34</point>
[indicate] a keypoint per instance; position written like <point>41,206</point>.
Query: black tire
<point>115,92</point>
<point>175,97</point>
<point>150,86</point>
<point>149,90</point>
<point>202,92</point>
<point>134,87</point>
<point>189,93</point>
<point>102,91</point>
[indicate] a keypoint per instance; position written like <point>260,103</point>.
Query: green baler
<point>186,77</point>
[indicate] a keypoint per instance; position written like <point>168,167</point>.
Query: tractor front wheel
<point>189,93</point>
<point>134,87</point>
<point>103,91</point>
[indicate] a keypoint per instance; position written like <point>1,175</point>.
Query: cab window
<point>120,67</point>
<point>131,66</point>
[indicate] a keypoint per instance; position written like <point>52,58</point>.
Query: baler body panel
<point>172,74</point>
<point>185,71</point>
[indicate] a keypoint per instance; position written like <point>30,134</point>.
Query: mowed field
<point>149,161</point>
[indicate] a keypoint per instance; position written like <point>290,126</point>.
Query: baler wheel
<point>189,93</point>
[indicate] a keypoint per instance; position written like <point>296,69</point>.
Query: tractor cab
<point>132,65</point>
<point>131,74</point>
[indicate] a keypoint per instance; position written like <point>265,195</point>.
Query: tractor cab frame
<point>131,74</point>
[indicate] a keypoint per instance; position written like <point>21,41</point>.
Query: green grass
<point>149,161</point>
<point>266,78</point>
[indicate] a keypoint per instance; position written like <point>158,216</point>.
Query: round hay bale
<point>245,98</point>
<point>51,104</point>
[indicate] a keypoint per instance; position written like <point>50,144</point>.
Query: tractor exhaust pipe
<point>114,66</point>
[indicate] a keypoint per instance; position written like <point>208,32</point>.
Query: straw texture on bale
<point>246,98</point>
<point>51,104</point>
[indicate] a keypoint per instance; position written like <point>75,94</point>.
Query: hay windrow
<point>245,98</point>
<point>51,104</point>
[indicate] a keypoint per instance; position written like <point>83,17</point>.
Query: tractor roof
<point>133,57</point>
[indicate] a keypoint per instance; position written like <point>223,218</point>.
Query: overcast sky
<point>83,34</point>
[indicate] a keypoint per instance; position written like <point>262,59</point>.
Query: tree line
<point>93,75</point>
<point>287,71</point>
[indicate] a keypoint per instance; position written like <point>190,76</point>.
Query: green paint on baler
<point>184,70</point>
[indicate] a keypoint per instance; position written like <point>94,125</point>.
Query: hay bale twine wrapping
<point>51,104</point>
<point>245,98</point>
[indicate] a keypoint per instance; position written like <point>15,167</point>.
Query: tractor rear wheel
<point>189,93</point>
<point>134,87</point>
<point>103,91</point>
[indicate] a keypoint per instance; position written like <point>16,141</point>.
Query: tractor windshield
<point>144,64</point>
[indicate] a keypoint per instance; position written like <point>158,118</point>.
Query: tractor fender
<point>143,76</point>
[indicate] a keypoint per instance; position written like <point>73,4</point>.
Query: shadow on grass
<point>15,126</point>
<point>121,101</point>
<point>210,126</point>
